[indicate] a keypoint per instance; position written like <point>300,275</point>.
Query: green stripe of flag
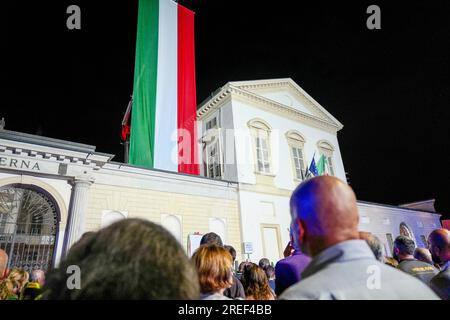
<point>321,165</point>
<point>144,91</point>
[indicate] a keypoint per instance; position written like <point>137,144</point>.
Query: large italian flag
<point>163,119</point>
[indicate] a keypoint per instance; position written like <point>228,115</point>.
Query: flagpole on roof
<point>126,130</point>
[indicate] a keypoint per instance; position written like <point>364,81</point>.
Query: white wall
<point>254,214</point>
<point>380,220</point>
<point>286,98</point>
<point>281,161</point>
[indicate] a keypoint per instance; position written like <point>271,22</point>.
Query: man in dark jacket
<point>403,253</point>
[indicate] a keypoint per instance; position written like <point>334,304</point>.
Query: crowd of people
<point>327,258</point>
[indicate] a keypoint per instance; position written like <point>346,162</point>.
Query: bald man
<point>3,263</point>
<point>424,255</point>
<point>439,241</point>
<point>325,221</point>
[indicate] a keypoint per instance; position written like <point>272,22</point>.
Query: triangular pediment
<point>289,94</point>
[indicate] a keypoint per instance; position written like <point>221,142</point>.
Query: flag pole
<point>125,122</point>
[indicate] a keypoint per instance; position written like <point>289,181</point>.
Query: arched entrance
<point>29,220</point>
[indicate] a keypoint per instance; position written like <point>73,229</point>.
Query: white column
<point>77,211</point>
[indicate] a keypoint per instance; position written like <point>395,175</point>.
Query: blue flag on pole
<point>313,167</point>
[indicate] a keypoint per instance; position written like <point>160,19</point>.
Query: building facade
<point>52,191</point>
<point>263,134</point>
<point>256,140</point>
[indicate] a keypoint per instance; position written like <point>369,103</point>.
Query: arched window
<point>296,143</point>
<point>218,226</point>
<point>327,149</point>
<point>260,131</point>
<point>173,224</point>
<point>29,219</point>
<point>212,153</point>
<point>109,217</point>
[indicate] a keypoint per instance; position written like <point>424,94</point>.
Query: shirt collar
<point>341,252</point>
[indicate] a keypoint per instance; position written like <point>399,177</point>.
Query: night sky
<point>390,87</point>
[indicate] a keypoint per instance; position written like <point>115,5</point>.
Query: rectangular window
<point>330,166</point>
<point>262,154</point>
<point>212,124</point>
<point>299,165</point>
<point>390,241</point>
<point>213,162</point>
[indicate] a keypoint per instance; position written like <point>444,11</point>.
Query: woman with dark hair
<point>256,284</point>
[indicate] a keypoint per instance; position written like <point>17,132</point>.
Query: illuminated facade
<point>256,138</point>
<point>263,134</point>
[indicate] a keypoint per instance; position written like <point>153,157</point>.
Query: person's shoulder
<point>293,260</point>
<point>282,261</point>
<point>442,276</point>
<point>405,284</point>
<point>440,283</point>
<point>236,289</point>
<point>402,264</point>
<point>389,273</point>
<point>236,281</point>
<point>445,273</point>
<point>282,266</point>
<point>309,288</point>
<point>216,296</point>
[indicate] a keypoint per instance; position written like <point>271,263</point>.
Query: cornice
<point>92,160</point>
<point>241,91</point>
<point>214,103</point>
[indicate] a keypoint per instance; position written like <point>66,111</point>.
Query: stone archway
<point>29,220</point>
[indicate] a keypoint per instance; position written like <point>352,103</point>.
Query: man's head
<point>324,213</point>
<point>264,263</point>
<point>439,244</point>
<point>375,245</point>
<point>38,276</point>
<point>231,250</point>
<point>424,255</point>
<point>270,272</point>
<point>3,263</point>
<point>403,248</point>
<point>211,238</point>
<point>130,259</point>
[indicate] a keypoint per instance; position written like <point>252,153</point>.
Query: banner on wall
<point>193,243</point>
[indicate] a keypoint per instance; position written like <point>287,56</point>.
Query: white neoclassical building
<point>263,134</point>
<point>256,137</point>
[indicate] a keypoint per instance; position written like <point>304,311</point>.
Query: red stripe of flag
<point>187,101</point>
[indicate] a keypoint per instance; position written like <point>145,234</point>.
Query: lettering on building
<point>19,164</point>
